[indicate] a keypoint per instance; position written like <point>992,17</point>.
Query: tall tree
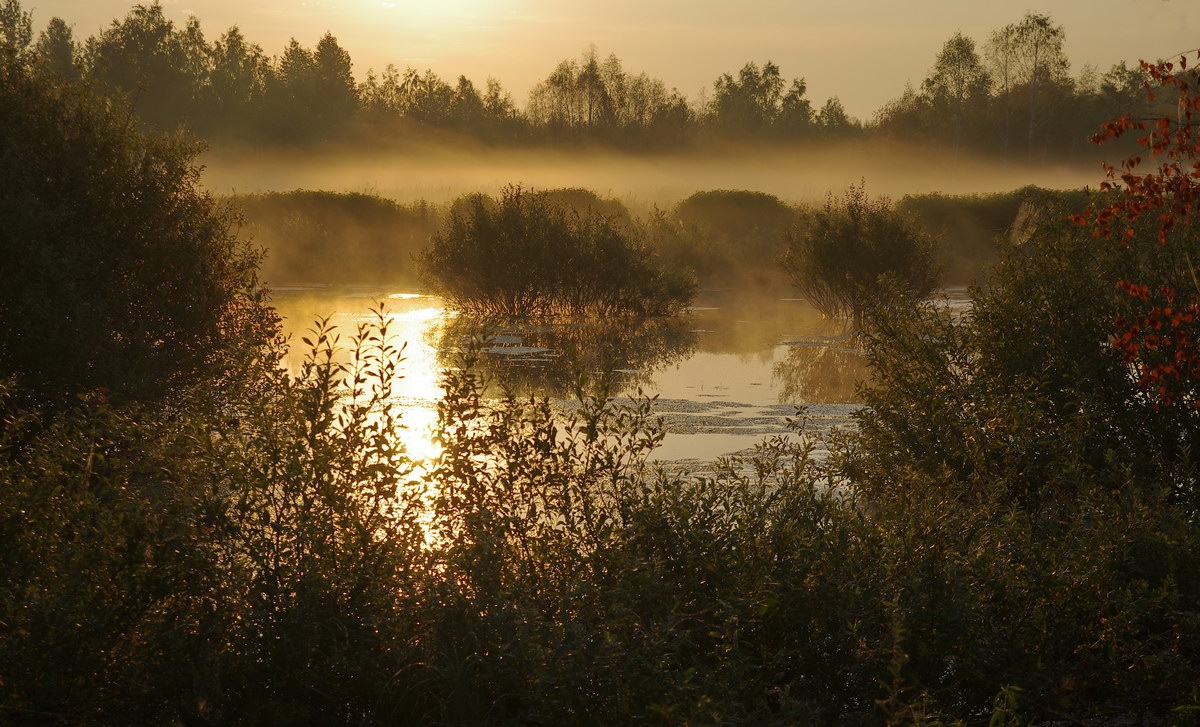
<point>16,30</point>
<point>594,96</point>
<point>832,118</point>
<point>238,78</point>
<point>795,112</point>
<point>466,106</point>
<point>291,93</point>
<point>336,96</point>
<point>958,86</point>
<point>144,57</point>
<point>426,97</point>
<point>1122,90</point>
<point>116,270</point>
<point>602,100</point>
<point>749,103</point>
<point>1029,66</point>
<point>909,117</point>
<point>56,52</point>
<point>553,102</point>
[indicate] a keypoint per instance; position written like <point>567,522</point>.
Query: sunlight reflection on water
<point>744,363</point>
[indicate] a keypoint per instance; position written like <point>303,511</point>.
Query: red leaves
<point>1161,344</point>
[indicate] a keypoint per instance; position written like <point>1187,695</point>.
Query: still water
<point>726,374</point>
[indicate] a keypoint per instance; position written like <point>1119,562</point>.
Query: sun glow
<point>413,322</point>
<point>441,15</point>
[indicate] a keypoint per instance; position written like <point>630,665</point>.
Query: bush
<point>290,564</point>
<point>1026,395</point>
<point>839,257</point>
<point>973,231</point>
<point>118,271</point>
<point>525,255</point>
<point>330,237</point>
<point>726,236</point>
<point>1023,479</point>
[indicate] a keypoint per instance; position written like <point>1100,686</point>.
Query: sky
<point>862,51</point>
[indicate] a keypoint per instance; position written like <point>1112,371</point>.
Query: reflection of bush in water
<point>820,372</point>
<point>546,358</point>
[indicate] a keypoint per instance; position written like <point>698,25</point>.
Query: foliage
<point>1014,435</point>
<point>117,271</point>
<point>16,31</point>
<point>56,53</point>
<point>157,67</point>
<point>1160,336</point>
<point>290,564</point>
<point>1016,99</point>
<point>840,257</point>
<point>1012,533</point>
<point>724,236</point>
<point>331,237</point>
<point>1024,397</point>
<point>524,255</point>
<point>958,87</point>
<point>973,231</point>
<point>183,562</point>
<point>1029,70</point>
<point>603,101</point>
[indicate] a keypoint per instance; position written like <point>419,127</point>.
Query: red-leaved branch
<point>1161,343</point>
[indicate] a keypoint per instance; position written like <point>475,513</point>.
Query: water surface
<point>728,373</point>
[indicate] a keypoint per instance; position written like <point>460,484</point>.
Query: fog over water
<point>754,354</point>
<point>441,173</point>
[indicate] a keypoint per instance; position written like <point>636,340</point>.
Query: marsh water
<point>729,372</point>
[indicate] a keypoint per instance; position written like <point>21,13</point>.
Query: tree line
<point>1011,95</point>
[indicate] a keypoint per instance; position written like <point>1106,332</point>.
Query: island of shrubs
<point>526,254</point>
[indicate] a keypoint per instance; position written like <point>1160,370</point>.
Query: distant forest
<point>1010,94</point>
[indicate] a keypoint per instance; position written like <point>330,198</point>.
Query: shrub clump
<point>728,237</point>
<point>334,237</point>
<point>839,257</point>
<point>524,254</point>
<point>116,269</point>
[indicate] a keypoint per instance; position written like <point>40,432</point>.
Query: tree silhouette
<point>957,87</point>
<point>56,52</point>
<point>1029,68</point>
<point>749,103</point>
<point>158,67</point>
<point>116,270</point>
<point>16,30</point>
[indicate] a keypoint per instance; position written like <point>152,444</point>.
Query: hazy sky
<point>863,51</point>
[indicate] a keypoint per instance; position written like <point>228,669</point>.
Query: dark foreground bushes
<point>116,269</point>
<point>285,561</point>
